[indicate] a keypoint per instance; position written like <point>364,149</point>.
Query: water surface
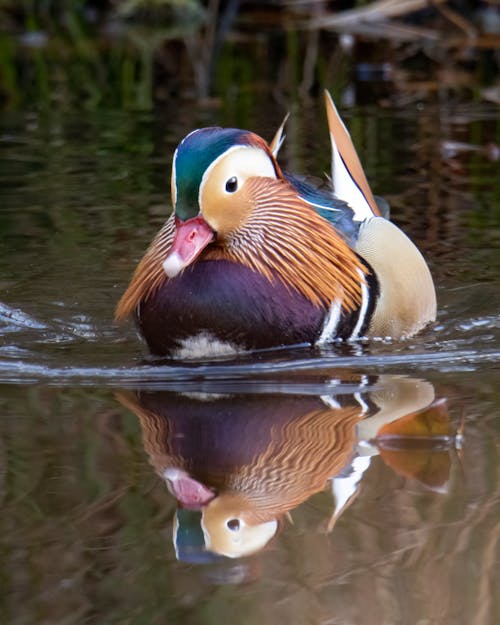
<point>91,429</point>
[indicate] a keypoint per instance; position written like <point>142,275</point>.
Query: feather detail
<point>284,237</point>
<point>278,138</point>
<point>281,477</point>
<point>349,180</point>
<point>156,430</point>
<point>149,274</point>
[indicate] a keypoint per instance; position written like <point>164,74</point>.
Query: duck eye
<point>233,525</point>
<point>232,184</point>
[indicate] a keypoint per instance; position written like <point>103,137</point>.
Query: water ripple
<point>293,372</point>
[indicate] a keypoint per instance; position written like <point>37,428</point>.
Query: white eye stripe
<point>173,180</point>
<point>247,161</point>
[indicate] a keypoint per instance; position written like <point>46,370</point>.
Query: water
<point>95,437</point>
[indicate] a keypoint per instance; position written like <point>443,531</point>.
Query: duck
<point>253,257</point>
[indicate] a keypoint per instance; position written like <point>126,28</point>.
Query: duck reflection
<point>238,464</point>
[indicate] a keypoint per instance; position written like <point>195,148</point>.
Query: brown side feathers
<point>285,237</point>
<point>149,274</point>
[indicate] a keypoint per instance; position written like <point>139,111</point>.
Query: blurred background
<point>141,53</point>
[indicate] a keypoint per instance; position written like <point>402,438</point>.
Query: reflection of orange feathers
<point>431,423</point>
<point>297,463</point>
<point>428,466</point>
<point>156,432</point>
<point>264,455</point>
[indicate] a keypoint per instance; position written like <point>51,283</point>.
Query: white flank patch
<point>205,345</point>
<point>331,324</point>
<point>365,298</point>
<point>206,397</point>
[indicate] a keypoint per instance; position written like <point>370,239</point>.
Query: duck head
<point>232,529</point>
<point>211,194</point>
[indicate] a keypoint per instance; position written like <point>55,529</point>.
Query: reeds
<point>134,53</point>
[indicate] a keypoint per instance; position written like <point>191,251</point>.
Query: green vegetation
<point>134,53</point>
<point>53,56</point>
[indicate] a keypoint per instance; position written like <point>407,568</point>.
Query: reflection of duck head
<point>232,527</point>
<point>245,461</point>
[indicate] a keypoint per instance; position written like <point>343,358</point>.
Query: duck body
<point>226,303</point>
<point>223,303</point>
<point>255,258</point>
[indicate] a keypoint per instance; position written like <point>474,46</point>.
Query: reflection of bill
<point>238,464</point>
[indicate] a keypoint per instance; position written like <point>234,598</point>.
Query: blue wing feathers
<point>321,196</point>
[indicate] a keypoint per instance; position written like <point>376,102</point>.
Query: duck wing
<point>319,194</point>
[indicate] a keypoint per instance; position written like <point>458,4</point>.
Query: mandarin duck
<point>244,462</point>
<point>253,257</point>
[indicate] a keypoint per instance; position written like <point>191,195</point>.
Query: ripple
<point>299,375</point>
<point>14,320</point>
<point>62,347</point>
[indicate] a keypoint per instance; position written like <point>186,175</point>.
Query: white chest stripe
<point>331,323</point>
<point>365,298</point>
